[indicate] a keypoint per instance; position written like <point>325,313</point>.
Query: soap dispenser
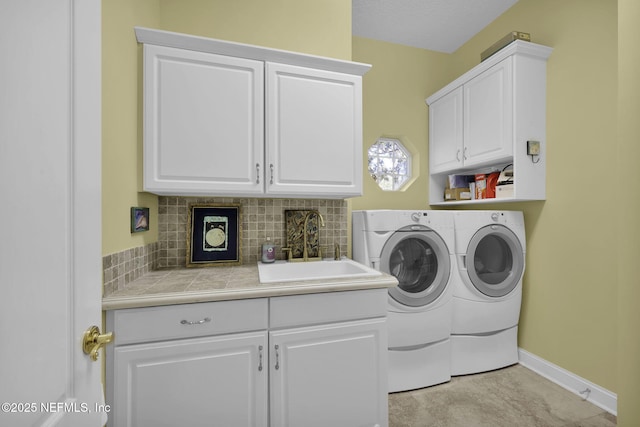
<point>268,251</point>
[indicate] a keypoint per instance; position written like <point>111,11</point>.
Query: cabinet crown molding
<point>258,53</point>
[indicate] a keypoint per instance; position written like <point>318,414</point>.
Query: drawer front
<point>147,324</point>
<point>300,310</point>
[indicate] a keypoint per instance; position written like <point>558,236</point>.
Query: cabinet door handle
<point>277,357</point>
<point>260,355</point>
<point>465,152</point>
<point>196,322</point>
<point>458,154</point>
<point>257,173</point>
<point>271,180</point>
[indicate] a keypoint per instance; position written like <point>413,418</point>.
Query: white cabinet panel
<point>314,131</point>
<point>332,375</point>
<point>302,310</point>
<point>445,132</point>
<point>203,122</point>
<point>138,325</point>
<point>488,116</point>
<point>196,382</point>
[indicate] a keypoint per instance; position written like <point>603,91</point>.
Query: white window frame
<point>398,180</point>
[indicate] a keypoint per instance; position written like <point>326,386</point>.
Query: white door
<point>313,132</point>
<point>488,115</point>
<point>204,123</point>
<point>445,132</point>
<point>329,375</point>
<point>197,382</point>
<point>50,251</point>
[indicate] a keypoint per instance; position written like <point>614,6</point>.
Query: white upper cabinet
<point>227,119</point>
<point>314,132</point>
<point>472,125</point>
<point>481,122</point>
<point>203,122</point>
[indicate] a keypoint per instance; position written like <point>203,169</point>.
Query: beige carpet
<point>509,397</point>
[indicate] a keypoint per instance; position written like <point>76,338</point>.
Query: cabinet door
<point>333,375</point>
<point>314,132</point>
<point>203,123</point>
<point>488,116</point>
<point>445,132</point>
<point>195,382</point>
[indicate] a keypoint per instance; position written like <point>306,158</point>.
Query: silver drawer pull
<point>196,322</point>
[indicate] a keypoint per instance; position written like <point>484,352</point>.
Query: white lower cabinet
<point>209,381</point>
<point>294,361</point>
<point>329,375</point>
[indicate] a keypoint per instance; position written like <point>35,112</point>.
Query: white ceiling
<point>440,25</point>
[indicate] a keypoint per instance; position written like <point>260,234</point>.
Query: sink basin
<point>283,271</point>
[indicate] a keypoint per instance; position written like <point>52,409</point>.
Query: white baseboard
<point>589,391</point>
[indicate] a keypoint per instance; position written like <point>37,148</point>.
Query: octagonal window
<point>389,164</point>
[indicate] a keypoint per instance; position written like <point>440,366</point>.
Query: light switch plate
<point>533,148</point>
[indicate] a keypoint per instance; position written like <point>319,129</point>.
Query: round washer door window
<point>498,260</point>
<point>420,261</point>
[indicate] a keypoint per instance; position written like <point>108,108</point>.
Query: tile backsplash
<point>260,218</point>
<point>120,268</point>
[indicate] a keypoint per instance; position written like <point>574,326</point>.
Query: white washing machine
<point>490,256</point>
<point>417,248</point>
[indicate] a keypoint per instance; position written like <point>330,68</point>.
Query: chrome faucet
<point>305,240</point>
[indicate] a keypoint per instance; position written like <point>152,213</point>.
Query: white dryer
<point>417,248</point>
<point>490,254</point>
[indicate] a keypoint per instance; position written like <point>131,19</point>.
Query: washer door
<point>498,260</point>
<point>420,261</point>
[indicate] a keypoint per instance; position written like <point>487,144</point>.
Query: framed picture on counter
<point>213,235</point>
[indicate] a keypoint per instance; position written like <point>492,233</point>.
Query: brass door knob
<point>93,340</point>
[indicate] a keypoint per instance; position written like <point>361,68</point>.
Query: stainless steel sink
<point>283,271</point>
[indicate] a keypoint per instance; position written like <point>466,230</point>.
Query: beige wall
<point>394,93</point>
<point>317,28</point>
<point>121,132</point>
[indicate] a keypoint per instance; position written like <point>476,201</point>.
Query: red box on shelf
<point>492,181</point>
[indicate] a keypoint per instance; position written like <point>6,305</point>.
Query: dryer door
<point>498,260</point>
<point>419,258</point>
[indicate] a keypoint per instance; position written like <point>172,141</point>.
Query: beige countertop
<point>183,286</point>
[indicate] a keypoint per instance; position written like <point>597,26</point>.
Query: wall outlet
<point>533,148</point>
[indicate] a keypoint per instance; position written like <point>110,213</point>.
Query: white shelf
<point>481,201</point>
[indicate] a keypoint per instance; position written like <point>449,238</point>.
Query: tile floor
<point>509,397</point>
